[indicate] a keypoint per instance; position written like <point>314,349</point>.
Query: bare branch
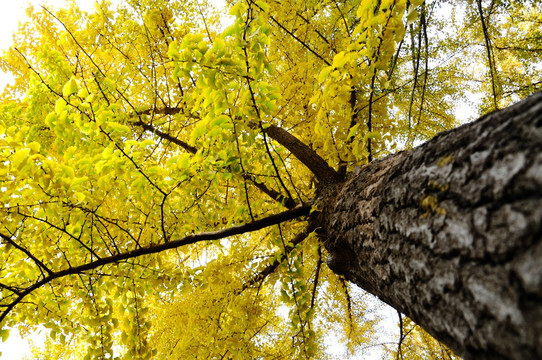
<point>401,337</point>
<point>317,276</point>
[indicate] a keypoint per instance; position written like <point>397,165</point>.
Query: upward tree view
<point>181,184</point>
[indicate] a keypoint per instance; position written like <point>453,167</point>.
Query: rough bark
<point>450,233</point>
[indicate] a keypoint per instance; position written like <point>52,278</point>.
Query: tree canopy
<point>160,161</point>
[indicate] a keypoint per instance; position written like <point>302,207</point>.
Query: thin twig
<point>401,337</point>
<point>491,59</point>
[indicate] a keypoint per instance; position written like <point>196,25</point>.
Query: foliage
<point>133,134</point>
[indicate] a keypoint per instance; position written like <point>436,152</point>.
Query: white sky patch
<point>17,348</point>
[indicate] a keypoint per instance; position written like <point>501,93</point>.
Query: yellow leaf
<point>18,160</point>
<point>325,73</point>
<point>60,106</point>
<point>68,172</point>
<point>184,161</point>
<point>35,146</point>
<point>412,15</point>
<point>70,87</point>
<point>173,51</point>
<point>110,84</point>
<point>353,131</point>
<point>121,128</point>
<point>79,196</point>
<point>83,93</point>
<point>4,334</point>
<point>340,60</point>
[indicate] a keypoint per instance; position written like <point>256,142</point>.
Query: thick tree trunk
<point>450,233</point>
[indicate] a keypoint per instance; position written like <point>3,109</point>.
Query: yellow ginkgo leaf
<point>18,160</point>
<point>70,87</point>
<point>79,196</point>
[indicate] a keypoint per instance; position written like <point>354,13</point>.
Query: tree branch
<point>491,59</point>
<point>27,253</point>
<point>401,337</point>
<point>288,202</point>
<point>319,167</point>
<point>269,269</point>
<point>299,211</point>
<point>300,150</point>
<point>165,136</point>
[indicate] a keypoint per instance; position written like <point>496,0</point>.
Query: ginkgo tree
<point>173,181</point>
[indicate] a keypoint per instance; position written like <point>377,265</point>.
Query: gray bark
<point>450,233</point>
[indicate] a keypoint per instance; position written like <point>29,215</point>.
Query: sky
<point>12,12</point>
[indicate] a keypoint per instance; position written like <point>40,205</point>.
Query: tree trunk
<point>450,233</point>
